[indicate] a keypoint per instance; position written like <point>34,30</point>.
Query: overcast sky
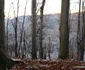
<point>51,6</point>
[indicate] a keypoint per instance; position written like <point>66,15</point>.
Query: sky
<point>51,7</point>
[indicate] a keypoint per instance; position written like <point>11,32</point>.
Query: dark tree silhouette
<point>64,30</point>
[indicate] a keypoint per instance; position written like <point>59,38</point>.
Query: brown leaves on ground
<point>49,65</point>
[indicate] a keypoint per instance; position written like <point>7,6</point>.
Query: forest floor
<point>29,64</point>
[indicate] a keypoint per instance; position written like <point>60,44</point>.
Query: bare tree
<point>2,36</point>
<point>83,34</point>
<point>41,28</point>
<point>78,33</point>
<point>49,47</point>
<point>34,54</point>
<point>64,30</point>
<point>5,61</point>
<point>15,28</point>
<point>22,31</point>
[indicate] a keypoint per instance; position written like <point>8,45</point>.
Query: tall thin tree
<point>41,28</point>
<point>34,54</point>
<point>83,34</point>
<point>16,43</point>
<point>64,30</point>
<point>78,33</point>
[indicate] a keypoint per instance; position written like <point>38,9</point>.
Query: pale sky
<point>51,7</point>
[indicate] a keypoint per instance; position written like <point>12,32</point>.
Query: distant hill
<point>50,20</point>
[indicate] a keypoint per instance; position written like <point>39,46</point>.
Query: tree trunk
<point>2,36</point>
<point>41,29</point>
<point>78,34</point>
<point>16,44</point>
<point>64,30</point>
<point>83,34</point>
<point>49,48</point>
<point>34,53</point>
<point>16,30</point>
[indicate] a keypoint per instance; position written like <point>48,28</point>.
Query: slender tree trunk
<point>83,34</point>
<point>16,30</point>
<point>41,29</point>
<point>16,44</point>
<point>78,33</point>
<point>24,40</point>
<point>34,53</point>
<point>64,30</point>
<point>49,48</point>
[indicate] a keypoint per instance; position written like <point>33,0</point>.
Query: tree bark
<point>2,36</point>
<point>34,54</point>
<point>83,34</point>
<point>78,33</point>
<point>16,30</point>
<point>41,29</point>
<point>64,30</point>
